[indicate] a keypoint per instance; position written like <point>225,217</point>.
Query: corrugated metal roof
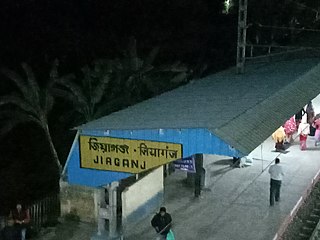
<point>257,123</point>
<point>241,109</point>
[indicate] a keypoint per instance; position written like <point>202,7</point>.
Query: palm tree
<point>30,103</point>
<point>108,85</point>
<point>139,78</point>
<point>87,94</point>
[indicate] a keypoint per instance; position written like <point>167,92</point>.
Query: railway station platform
<point>236,205</point>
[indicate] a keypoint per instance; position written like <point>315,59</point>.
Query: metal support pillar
<point>199,176</point>
<point>242,32</point>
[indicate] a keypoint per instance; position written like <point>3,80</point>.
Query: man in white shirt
<point>276,173</point>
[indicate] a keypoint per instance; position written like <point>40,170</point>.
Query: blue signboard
<point>186,164</point>
<point>193,141</point>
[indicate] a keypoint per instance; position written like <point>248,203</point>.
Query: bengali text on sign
<point>125,155</point>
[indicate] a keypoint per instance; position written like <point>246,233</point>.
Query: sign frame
<point>105,153</point>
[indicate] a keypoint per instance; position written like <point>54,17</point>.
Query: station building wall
<point>142,198</point>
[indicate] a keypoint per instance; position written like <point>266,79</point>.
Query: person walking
<point>162,223</point>
<point>276,173</point>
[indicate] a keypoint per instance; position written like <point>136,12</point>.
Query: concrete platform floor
<point>236,205</point>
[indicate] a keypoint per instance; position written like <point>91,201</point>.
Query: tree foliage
<point>85,94</point>
<point>29,103</point>
<point>111,84</point>
<point>138,78</point>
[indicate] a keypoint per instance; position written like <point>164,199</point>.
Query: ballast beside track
<point>306,224</point>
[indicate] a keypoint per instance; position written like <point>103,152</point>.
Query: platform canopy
<point>225,113</point>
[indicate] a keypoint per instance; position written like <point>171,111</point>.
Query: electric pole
<point>242,32</point>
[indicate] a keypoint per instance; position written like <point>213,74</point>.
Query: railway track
<point>306,224</point>
<point>309,228</point>
<point>316,232</point>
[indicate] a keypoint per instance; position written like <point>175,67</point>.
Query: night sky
<point>78,31</point>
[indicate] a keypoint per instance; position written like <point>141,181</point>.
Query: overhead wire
<point>304,6</point>
<point>294,28</point>
<point>289,28</point>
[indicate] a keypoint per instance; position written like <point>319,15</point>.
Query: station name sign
<point>125,155</point>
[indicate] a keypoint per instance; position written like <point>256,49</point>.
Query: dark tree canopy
<point>79,31</point>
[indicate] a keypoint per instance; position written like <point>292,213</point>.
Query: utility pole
<point>242,32</point>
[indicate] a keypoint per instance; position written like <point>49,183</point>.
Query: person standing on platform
<point>298,116</point>
<point>276,173</point>
<point>21,218</point>
<point>303,131</point>
<point>310,112</point>
<point>310,118</point>
<point>316,124</point>
<point>289,129</point>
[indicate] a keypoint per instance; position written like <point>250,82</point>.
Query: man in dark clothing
<point>162,222</point>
